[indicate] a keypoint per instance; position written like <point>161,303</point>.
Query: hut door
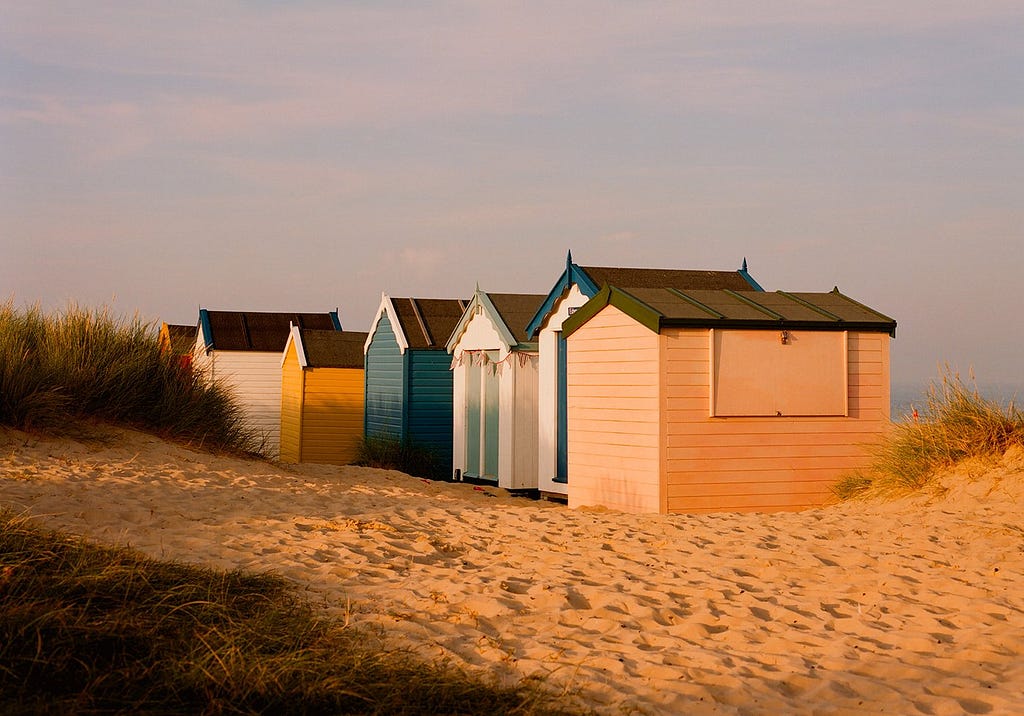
<point>562,449</point>
<point>482,419</point>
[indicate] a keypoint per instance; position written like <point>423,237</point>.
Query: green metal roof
<point>659,308</point>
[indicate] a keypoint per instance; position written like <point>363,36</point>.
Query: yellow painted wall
<point>332,415</point>
<point>763,463</point>
<point>291,406</point>
<point>613,414</point>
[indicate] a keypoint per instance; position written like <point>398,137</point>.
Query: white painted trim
<point>482,304</point>
<point>386,306</point>
<point>295,336</point>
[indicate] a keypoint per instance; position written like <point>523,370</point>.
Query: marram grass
<point>86,629</point>
<point>80,364</point>
<point>957,423</point>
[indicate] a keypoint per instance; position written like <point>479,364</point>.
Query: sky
<point>157,158</point>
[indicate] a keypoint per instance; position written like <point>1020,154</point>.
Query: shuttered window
<point>778,373</point>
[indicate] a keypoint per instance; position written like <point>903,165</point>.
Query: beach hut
<point>494,391</point>
<point>178,340</point>
<point>408,373</point>
<point>242,350</point>
<point>322,396</point>
<point>576,286</point>
<point>704,400</point>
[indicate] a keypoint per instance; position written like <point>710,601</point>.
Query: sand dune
<point>909,607</point>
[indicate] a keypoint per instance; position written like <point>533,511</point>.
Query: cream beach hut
<point>721,400</point>
<point>494,391</point>
<point>242,350</point>
<point>322,396</point>
<point>576,286</point>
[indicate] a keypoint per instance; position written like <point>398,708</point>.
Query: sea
<point>905,397</point>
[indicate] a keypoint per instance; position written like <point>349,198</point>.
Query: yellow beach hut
<point>322,396</point>
<point>721,400</point>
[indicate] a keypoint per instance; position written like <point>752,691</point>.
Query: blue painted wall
<point>430,401</point>
<point>385,384</point>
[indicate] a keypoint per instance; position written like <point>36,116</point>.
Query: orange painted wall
<point>613,414</point>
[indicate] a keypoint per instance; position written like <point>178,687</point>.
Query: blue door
<point>562,441</point>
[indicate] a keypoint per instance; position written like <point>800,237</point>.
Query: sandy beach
<point>908,607</point>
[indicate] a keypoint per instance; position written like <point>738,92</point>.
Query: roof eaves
<point>891,321</point>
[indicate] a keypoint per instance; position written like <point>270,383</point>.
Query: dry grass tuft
<point>957,423</point>
<point>59,369</point>
<point>87,630</point>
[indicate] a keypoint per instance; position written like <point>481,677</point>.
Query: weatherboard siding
<point>291,406</point>
<point>332,415</point>
<point>613,414</point>
<point>763,463</point>
<point>430,402</point>
<point>385,384</point>
<point>254,379</point>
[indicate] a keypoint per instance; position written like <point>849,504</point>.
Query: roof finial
<point>744,266</point>
<point>568,259</point>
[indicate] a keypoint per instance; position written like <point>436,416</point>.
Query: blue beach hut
<point>408,376</point>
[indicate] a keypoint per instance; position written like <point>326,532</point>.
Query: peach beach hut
<point>322,396</point>
<point>721,400</point>
<point>577,285</point>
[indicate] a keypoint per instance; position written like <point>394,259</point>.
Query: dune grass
<point>394,454</point>
<point>957,423</point>
<point>87,629</point>
<point>80,364</point>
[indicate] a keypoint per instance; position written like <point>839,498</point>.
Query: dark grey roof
<point>428,322</point>
<point>516,310</point>
<point>666,278</point>
<point>333,349</point>
<point>259,331</point>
